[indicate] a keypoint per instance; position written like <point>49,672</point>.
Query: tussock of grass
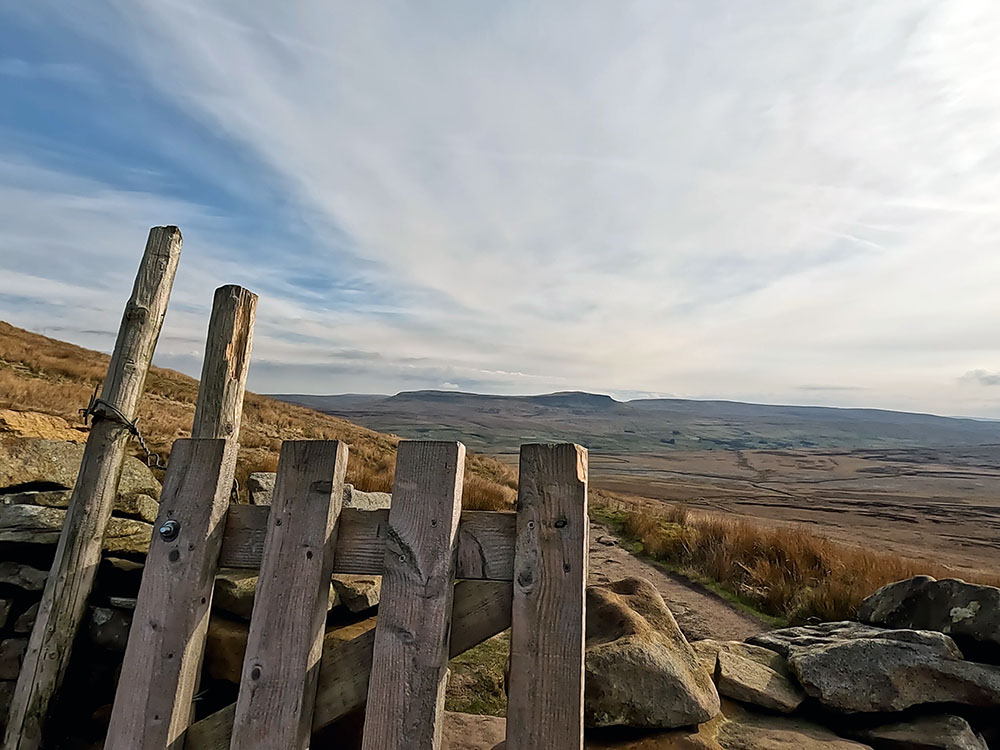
<point>476,682</point>
<point>785,571</point>
<point>50,376</point>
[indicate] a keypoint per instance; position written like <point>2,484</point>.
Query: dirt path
<point>699,613</point>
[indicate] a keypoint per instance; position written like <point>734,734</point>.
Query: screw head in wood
<point>169,530</point>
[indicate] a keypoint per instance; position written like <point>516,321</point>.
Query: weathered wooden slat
<point>410,667</point>
<point>545,708</point>
<point>219,410</point>
<point>72,574</point>
<point>278,685</point>
<point>481,610</point>
<point>153,704</point>
<point>485,542</point>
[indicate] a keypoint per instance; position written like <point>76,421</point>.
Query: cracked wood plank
<point>410,664</point>
<point>545,708</point>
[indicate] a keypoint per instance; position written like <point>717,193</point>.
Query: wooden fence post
<point>280,669</point>
<point>227,358</point>
<point>410,665</point>
<point>78,553</point>
<point>152,707</point>
<point>545,708</point>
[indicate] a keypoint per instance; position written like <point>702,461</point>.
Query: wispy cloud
<point>982,377</point>
<point>712,199</point>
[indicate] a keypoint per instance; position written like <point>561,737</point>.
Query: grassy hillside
<point>499,424</point>
<point>50,376</point>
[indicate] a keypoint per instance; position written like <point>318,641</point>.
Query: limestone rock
<point>235,590</point>
<point>357,592</point>
<point>355,498</point>
<point>127,603</point>
<point>898,668</point>
<point>6,695</point>
<point>640,670</point>
<point>11,655</point>
<point>22,576</point>
<point>948,606</point>
<point>828,633</point>
<point>225,647</point>
<point>55,462</point>
<point>735,729</point>
<point>260,487</point>
<point>751,674</point>
<point>942,732</point>
<point>120,576</point>
<point>36,524</point>
<point>472,732</point>
<point>33,424</point>
<point>26,621</point>
<point>108,628</point>
<point>138,505</point>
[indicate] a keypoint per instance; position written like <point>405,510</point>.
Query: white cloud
<point>715,199</point>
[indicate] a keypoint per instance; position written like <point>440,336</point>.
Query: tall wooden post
<point>227,359</point>
<point>78,554</point>
<point>162,663</point>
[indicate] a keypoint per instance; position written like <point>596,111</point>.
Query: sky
<point>786,201</point>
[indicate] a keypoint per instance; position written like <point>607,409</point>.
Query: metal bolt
<point>169,530</point>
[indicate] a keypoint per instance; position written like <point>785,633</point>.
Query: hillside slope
<point>46,375</point>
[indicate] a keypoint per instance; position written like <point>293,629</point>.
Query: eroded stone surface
<point>640,670</point>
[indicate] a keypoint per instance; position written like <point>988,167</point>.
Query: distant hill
<point>500,424</point>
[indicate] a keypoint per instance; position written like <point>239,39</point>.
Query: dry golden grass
<point>50,376</point>
<point>783,570</point>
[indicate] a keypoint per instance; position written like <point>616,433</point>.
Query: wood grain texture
<point>152,707</point>
<point>481,610</point>
<point>219,410</point>
<point>410,664</point>
<point>278,685</point>
<point>72,574</point>
<point>545,708</point>
<point>485,542</point>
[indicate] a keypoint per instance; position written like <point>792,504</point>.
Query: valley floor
<point>940,505</point>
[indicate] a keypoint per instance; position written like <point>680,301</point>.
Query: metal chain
<point>99,409</point>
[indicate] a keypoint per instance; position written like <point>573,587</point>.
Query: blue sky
<point>777,200</point>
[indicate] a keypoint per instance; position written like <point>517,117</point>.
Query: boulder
<point>896,668</point>
<point>357,592</point>
<point>751,674</point>
<point>26,621</point>
<point>947,606</point>
<point>225,647</point>
<point>640,670</point>
<point>733,729</point>
<point>11,655</point>
<point>27,461</point>
<point>108,628</point>
<point>942,732</point>
<point>355,498</point>
<point>33,424</point>
<point>826,633</point>
<point>5,605</point>
<point>120,576</point>
<point>22,576</point>
<point>235,590</point>
<point>136,505</point>
<point>35,524</point>
<point>260,487</point>
<point>472,732</point>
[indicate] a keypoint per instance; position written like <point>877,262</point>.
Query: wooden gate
<point>532,563</point>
